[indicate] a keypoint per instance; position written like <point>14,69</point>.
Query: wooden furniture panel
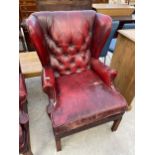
<point>30,64</point>
<point>55,5</point>
<point>26,7</point>
<point>123,61</point>
<point>114,9</point>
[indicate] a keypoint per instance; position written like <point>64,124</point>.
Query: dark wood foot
<point>58,144</point>
<point>116,124</point>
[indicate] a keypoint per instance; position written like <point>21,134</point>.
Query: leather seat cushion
<point>82,97</point>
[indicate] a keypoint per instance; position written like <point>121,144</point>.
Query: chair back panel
<point>65,38</point>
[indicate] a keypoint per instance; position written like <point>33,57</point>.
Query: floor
<point>95,141</point>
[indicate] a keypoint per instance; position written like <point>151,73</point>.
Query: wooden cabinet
<point>26,7</point>
<point>123,61</point>
<point>58,5</point>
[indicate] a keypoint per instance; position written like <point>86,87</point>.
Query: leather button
<point>70,57</point>
<point>72,49</point>
<point>78,70</point>
<point>67,71</point>
<point>58,51</point>
<point>65,54</point>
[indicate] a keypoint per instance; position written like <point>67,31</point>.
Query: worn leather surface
<point>106,73</point>
<point>66,40</point>
<point>48,80</point>
<point>101,31</point>
<point>69,43</point>
<point>84,95</point>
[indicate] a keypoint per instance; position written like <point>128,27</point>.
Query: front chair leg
<point>116,124</point>
<point>58,144</point>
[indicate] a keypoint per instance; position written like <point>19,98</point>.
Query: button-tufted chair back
<point>66,40</point>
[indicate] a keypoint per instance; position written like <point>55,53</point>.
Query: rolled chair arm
<point>48,85</point>
<point>106,73</point>
<point>48,80</point>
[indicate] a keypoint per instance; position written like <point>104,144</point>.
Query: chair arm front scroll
<point>48,85</point>
<point>106,73</point>
<point>48,80</point>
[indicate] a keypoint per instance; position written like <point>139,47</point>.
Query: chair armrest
<point>48,80</point>
<point>106,73</point>
<point>48,85</point>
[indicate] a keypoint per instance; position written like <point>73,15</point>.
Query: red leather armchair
<point>80,89</point>
<point>24,136</point>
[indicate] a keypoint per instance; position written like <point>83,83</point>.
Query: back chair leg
<point>58,144</point>
<point>116,124</point>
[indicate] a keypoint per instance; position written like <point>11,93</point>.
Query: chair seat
<point>112,45</point>
<point>82,97</point>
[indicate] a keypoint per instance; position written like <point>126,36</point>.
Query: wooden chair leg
<point>116,124</point>
<point>58,144</point>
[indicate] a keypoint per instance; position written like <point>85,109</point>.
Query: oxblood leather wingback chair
<point>24,136</point>
<point>80,89</point>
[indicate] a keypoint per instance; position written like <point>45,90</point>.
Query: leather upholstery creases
<point>106,73</point>
<point>68,38</point>
<point>83,96</point>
